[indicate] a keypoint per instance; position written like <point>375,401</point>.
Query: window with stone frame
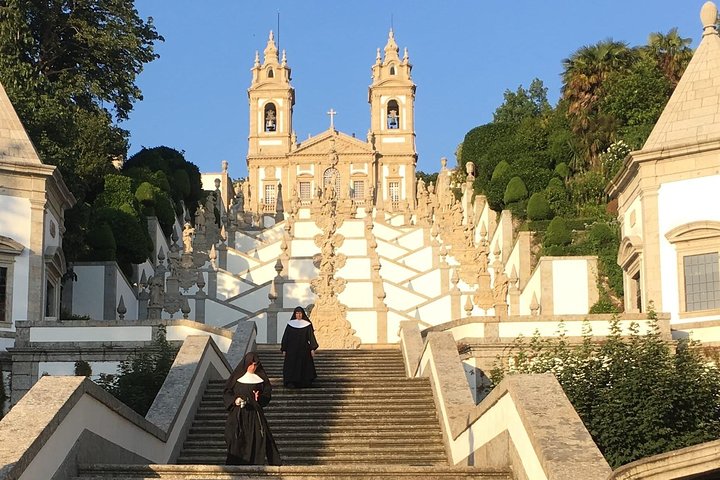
<point>305,191</point>
<point>702,281</point>
<point>358,189</point>
<point>270,118</point>
<point>394,191</point>
<point>393,115</point>
<point>269,198</point>
<point>697,247</point>
<point>4,310</point>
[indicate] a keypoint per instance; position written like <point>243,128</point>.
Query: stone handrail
<point>64,421</point>
<point>526,423</point>
<point>689,462</point>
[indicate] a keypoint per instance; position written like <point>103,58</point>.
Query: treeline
<point>546,162</point>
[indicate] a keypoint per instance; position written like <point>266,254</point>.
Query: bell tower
<point>392,115</point>
<point>271,100</point>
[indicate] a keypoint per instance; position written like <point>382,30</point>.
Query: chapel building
<point>379,170</point>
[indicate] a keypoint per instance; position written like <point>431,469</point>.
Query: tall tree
<point>70,69</point>
<point>671,52</point>
<point>523,103</point>
<point>584,75</point>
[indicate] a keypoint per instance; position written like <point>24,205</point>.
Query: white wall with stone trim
<point>239,262</point>
<point>420,260</point>
<point>357,295</point>
<point>304,248</point>
<point>355,269</point>
<point>394,272</point>
<point>365,325</point>
<point>388,250</point>
<point>15,223</point>
<point>89,291</point>
<point>433,312</point>
<point>50,219</point>
<point>628,227</point>
<point>301,268</point>
<point>229,286</point>
<point>534,285</point>
<point>571,291</point>
<point>427,284</point>
<point>128,292</point>
<point>253,301</point>
<point>260,274</point>
<point>353,247</point>
<point>679,203</point>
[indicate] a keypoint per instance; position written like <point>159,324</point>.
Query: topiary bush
<point>538,207</point>
<point>558,198</point>
<point>515,191</point>
<point>101,241</point>
<point>145,194</point>
<point>562,170</point>
<point>557,233</point>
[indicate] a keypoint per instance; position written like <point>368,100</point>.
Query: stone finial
<point>200,280</point>
<point>143,280</point>
<point>284,58</point>
<point>121,309</point>
<point>406,56</point>
<point>391,48</point>
<point>708,17</point>
<point>278,266</point>
<point>468,305</point>
<point>272,295</point>
<point>257,59</point>
<point>271,50</point>
<point>534,305</point>
<point>455,279</point>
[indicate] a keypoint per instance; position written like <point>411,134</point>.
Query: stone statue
<point>156,287</point>
<point>188,233</point>
<point>500,287</point>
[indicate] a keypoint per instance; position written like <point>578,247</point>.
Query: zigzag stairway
<point>361,419</point>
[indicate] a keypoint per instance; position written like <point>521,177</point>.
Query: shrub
<point>515,191</point>
<point>558,198</point>
<point>557,233</point>
<point>538,207</point>
<point>635,396</point>
<point>102,244</point>
<point>82,369</point>
<point>562,170</point>
<point>140,377</point>
<point>501,170</point>
<point>600,235</point>
<point>145,194</point>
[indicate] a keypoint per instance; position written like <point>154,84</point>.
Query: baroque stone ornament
<point>329,316</point>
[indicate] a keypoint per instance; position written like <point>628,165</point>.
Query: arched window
<point>270,117</point>
<point>392,69</point>
<point>393,115</point>
<point>331,183</point>
<point>271,74</point>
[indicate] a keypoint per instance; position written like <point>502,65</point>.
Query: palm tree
<point>671,52</point>
<point>583,76</point>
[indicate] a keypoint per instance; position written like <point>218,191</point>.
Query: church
<point>379,170</point>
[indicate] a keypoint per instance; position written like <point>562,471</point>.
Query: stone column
<point>36,284</point>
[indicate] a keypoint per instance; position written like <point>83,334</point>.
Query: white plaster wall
<point>15,223</point>
<point>570,286</point>
<point>159,240</point>
<point>636,229</point>
<point>261,325</point>
<point>400,298</point>
<point>229,286</point>
<point>355,269</point>
<point>365,325</point>
<point>259,275</point>
<point>91,334</point>
<point>301,268</point>
<point>513,261</point>
<point>274,234</point>
<point>352,229</point>
<point>237,262</point>
<point>244,242</point>
<point>253,301</point>
<point>219,315</point>
<point>207,180</point>
<point>181,332</point>
<point>708,334</point>
<point>270,252</point>
<point>88,291</point>
<point>306,229</point>
<point>599,328</point>
<point>413,239</point>
<point>385,232</point>
<point>394,272</point>
<point>534,285</point>
<point>420,260</point>
<point>6,343</point>
<point>49,240</point>
<point>468,330</point>
<point>129,297</point>
<point>68,368</point>
<point>388,250</point>
<point>354,247</point>
<point>295,294</point>
<point>358,295</point>
<point>435,312</point>
<point>679,203</point>
<point>427,284</point>
<point>304,248</point>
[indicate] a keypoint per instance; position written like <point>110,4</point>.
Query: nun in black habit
<point>247,434</point>
<point>298,347</point>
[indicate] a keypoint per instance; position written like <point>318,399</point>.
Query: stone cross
<point>332,114</point>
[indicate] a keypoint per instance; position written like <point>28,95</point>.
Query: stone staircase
<point>361,419</point>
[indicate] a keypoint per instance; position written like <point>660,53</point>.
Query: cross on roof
<point>332,113</point>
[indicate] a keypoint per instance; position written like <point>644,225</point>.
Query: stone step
<point>301,472</point>
<point>339,437</point>
<point>301,428</point>
<point>314,396</point>
<point>316,449</point>
<point>330,405</point>
<point>323,458</point>
<point>346,384</point>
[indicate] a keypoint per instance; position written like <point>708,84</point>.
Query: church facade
<point>379,169</point>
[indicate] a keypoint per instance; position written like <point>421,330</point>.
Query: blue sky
<point>465,54</point>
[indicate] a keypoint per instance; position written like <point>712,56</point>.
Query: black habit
<point>247,433</point>
<point>298,343</point>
